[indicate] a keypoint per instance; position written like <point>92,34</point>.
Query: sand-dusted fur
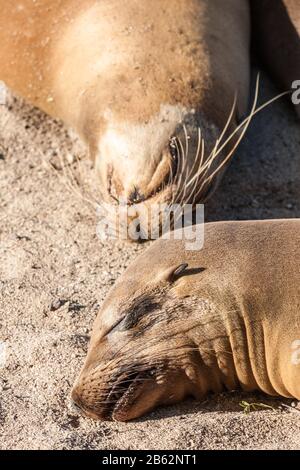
<point>228,320</point>
<point>127,76</point>
<point>276,29</point>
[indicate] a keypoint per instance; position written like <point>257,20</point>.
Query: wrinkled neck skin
<point>233,351</point>
<point>230,349</point>
<point>214,363</point>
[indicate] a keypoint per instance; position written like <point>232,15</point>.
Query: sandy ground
<point>49,251</point>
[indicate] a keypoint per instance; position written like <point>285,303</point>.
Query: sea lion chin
<point>192,322</point>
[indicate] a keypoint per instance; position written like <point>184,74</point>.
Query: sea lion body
<point>230,320</point>
<point>276,29</point>
<point>127,76</point>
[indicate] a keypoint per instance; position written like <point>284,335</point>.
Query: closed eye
<point>137,313</point>
<point>134,315</point>
<point>115,325</point>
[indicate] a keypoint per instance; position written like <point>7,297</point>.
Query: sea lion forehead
<point>142,277</point>
<point>163,253</point>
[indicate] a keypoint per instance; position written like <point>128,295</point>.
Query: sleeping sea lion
<point>184,323</point>
<point>136,80</point>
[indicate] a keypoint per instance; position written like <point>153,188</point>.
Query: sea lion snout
<point>141,387</point>
<point>120,393</point>
<point>75,403</point>
<point>155,167</point>
<point>138,161</point>
<point>136,186</point>
<point>136,196</point>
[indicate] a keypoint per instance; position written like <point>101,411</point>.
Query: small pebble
<point>56,304</point>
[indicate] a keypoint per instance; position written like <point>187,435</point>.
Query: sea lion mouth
<point>124,398</point>
<point>124,392</point>
<point>138,221</point>
<point>162,193</point>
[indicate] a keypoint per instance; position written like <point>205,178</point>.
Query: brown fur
<point>230,320</point>
<point>36,45</point>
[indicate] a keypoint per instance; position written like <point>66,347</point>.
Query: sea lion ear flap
<point>172,273</point>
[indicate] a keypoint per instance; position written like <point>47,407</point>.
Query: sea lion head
<point>151,165</point>
<point>149,169</point>
<point>142,93</point>
<point>140,355</point>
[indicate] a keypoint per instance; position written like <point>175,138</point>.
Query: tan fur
<point>230,320</point>
<point>276,27</point>
<point>125,75</point>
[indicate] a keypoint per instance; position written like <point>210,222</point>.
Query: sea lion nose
<point>75,403</point>
<point>135,196</point>
<point>118,190</point>
<point>76,407</point>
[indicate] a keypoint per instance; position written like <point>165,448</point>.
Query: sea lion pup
<point>276,32</point>
<point>181,323</point>
<point>136,80</point>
